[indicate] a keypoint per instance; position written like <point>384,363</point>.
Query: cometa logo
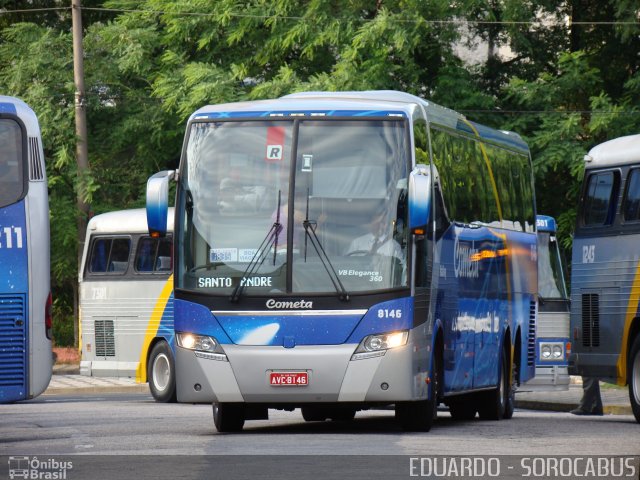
<point>273,304</point>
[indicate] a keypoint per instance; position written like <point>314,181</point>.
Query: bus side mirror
<point>158,202</point>
<point>419,196</point>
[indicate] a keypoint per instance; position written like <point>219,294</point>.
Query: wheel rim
<point>635,377</point>
<point>161,371</point>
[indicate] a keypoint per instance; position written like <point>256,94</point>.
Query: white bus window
<point>110,255</point>
<point>153,255</point>
<point>631,208</point>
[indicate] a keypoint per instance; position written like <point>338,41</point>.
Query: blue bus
<point>605,276</point>
<point>339,251</point>
<point>26,358</point>
<point>552,334</point>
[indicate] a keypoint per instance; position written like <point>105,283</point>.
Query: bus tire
<point>161,373</point>
<point>228,417</point>
<point>419,416</point>
<point>494,403</point>
<point>463,409</point>
<point>313,413</point>
<point>634,377</point>
<point>510,404</point>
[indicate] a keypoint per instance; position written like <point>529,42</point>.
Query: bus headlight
<point>552,351</point>
<point>203,345</point>
<point>377,345</point>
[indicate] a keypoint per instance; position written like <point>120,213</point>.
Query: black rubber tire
<point>228,417</point>
<point>340,414</point>
<point>161,373</point>
<point>510,406</point>
<point>464,409</point>
<point>312,413</point>
<point>633,377</point>
<point>419,416</point>
<point>493,403</point>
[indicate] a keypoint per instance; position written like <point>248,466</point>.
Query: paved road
<point>150,435</point>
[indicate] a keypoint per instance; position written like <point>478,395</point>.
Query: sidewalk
<point>615,400</point>
<point>67,381</point>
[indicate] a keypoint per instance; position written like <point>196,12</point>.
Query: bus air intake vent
<point>531,339</point>
<point>12,341</point>
<point>36,170</point>
<point>105,338</point>
<point>590,320</point>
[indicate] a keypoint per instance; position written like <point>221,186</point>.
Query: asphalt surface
<point>66,380</point>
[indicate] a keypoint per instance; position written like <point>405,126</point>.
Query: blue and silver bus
<point>25,301</point>
<point>605,276</point>
<point>552,334</point>
<point>340,251</point>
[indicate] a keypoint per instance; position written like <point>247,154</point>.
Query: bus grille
<point>590,320</point>
<point>12,341</point>
<point>36,170</point>
<point>105,339</point>
<point>531,340</point>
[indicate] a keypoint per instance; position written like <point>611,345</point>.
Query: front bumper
<point>333,376</point>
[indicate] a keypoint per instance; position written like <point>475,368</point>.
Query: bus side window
<point>631,207</point>
<point>110,255</point>
<point>598,199</point>
<point>153,255</point>
<point>119,257</point>
<point>100,255</point>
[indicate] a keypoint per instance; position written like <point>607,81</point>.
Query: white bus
<point>25,299</point>
<point>126,302</point>
<point>605,277</point>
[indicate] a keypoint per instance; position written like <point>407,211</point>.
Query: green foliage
<point>563,87</point>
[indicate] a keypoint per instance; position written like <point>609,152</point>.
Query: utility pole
<point>82,152</point>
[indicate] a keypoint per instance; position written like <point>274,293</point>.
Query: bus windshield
<point>297,206</point>
<point>11,167</point>
<point>550,277</point>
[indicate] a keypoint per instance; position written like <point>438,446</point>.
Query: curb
<point>567,407</point>
<point>141,388</point>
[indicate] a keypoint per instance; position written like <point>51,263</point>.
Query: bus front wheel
<point>228,417</point>
<point>161,373</point>
<point>634,378</point>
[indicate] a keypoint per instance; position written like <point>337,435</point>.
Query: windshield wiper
<point>270,240</point>
<point>310,233</point>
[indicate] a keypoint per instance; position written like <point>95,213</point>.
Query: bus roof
<point>619,151</point>
<point>358,103</point>
<point>15,106</point>
<point>123,221</point>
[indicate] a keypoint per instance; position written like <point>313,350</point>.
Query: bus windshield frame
<point>345,230</point>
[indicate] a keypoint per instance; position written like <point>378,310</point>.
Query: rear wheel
<point>161,373</point>
<point>493,404</point>
<point>634,378</point>
<point>228,417</point>
<point>463,409</point>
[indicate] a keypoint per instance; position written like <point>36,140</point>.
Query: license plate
<point>289,379</point>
